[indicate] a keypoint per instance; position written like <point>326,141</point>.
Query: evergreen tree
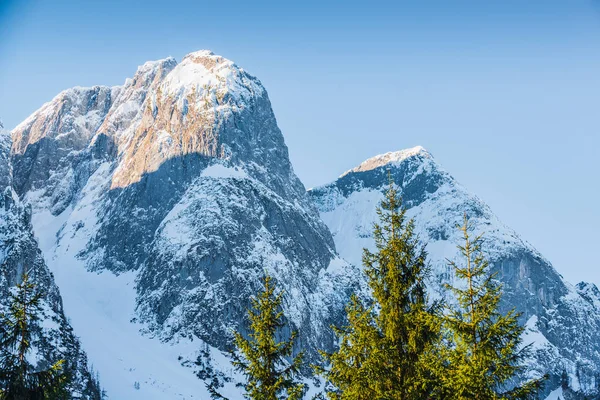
<point>19,380</point>
<point>385,349</point>
<point>485,355</point>
<point>564,380</point>
<point>263,359</point>
<point>356,368</point>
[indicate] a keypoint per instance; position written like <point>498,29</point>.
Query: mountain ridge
<point>166,201</point>
<point>159,203</point>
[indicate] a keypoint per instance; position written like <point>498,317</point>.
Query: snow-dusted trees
<point>19,379</point>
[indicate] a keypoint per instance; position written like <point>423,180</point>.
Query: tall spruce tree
<point>385,349</point>
<point>263,359</point>
<point>485,354</point>
<point>19,379</point>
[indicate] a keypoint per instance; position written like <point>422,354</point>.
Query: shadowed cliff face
<point>53,337</point>
<point>186,183</point>
<point>565,324</point>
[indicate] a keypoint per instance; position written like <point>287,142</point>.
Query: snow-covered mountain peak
<point>209,59</point>
<point>182,112</point>
<point>180,183</point>
<point>204,53</point>
<point>564,321</point>
<point>393,157</point>
<point>210,75</point>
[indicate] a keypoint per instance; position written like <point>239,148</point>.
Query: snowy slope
<point>563,324</point>
<point>556,394</point>
<point>53,339</point>
<point>159,222</point>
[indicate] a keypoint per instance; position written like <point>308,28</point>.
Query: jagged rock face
<point>590,292</point>
<point>564,323</point>
<point>238,227</point>
<point>186,184</point>
<point>50,139</point>
<point>124,114</point>
<point>70,119</point>
<point>19,253</point>
<point>5,167</point>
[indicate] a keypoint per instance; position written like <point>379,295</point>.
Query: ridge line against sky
<point>503,94</point>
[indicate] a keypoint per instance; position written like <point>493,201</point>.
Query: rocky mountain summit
<point>562,321</point>
<point>158,205</point>
<point>176,187</point>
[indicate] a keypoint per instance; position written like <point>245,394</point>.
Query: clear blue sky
<point>505,94</point>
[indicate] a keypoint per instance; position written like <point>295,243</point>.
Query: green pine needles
<point>485,354</point>
<point>400,345</point>
<point>263,359</point>
<point>405,347</point>
<point>19,380</point>
<point>397,346</point>
<point>385,349</point>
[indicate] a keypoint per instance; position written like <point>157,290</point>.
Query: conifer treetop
<point>261,357</point>
<point>486,355</point>
<point>383,348</point>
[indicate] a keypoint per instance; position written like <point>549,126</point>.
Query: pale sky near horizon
<point>505,95</point>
